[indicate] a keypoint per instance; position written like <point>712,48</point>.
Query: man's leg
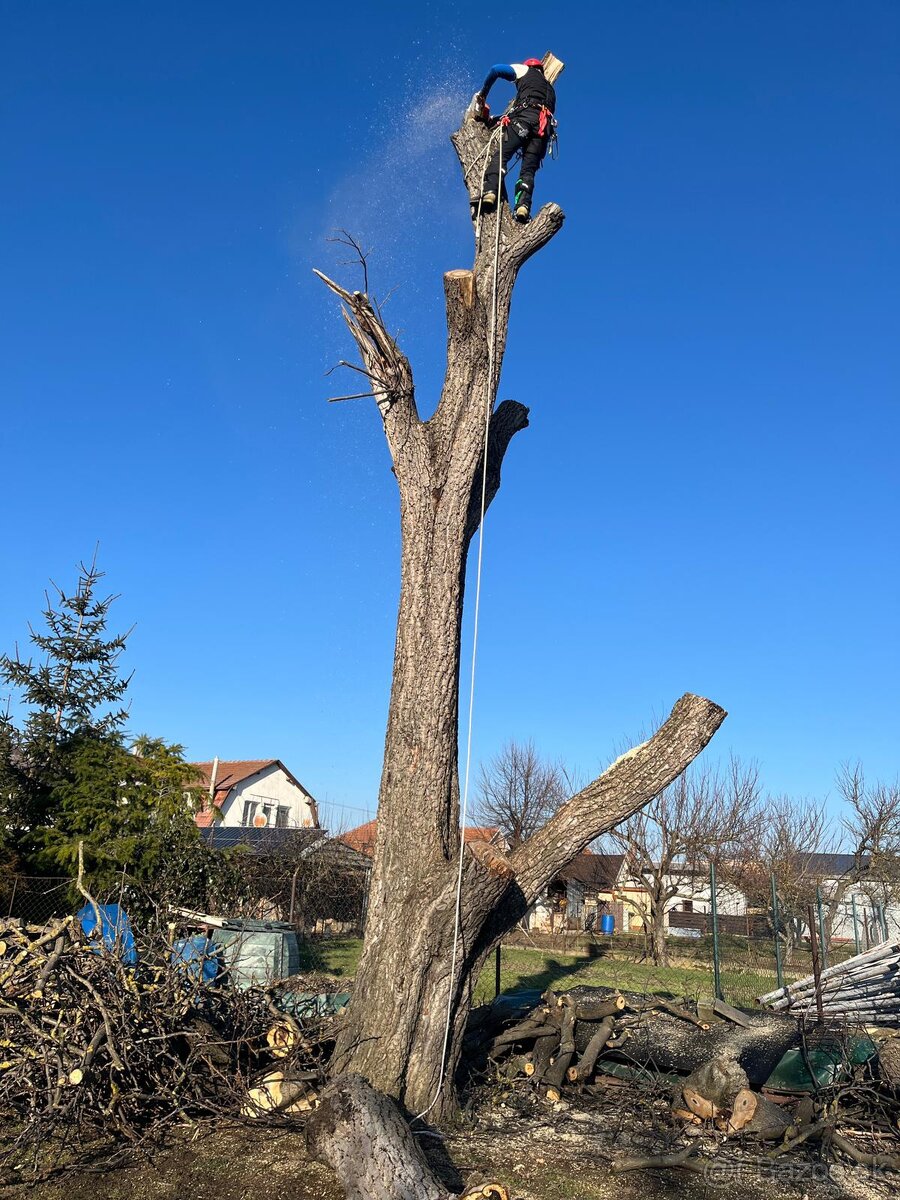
<point>532,156</point>
<point>514,135</point>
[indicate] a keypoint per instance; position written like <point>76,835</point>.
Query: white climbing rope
<point>464,806</point>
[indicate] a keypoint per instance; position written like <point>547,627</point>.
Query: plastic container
<point>607,923</point>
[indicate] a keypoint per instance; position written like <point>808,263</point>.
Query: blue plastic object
<point>115,930</point>
<point>607,923</point>
<point>199,957</point>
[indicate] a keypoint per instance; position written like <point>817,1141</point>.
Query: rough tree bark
<point>394,1032</point>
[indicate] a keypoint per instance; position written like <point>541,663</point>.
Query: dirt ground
<point>539,1154</point>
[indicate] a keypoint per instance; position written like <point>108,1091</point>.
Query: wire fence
<point>318,901</point>
<point>736,957</point>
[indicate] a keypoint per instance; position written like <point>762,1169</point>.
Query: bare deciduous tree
<point>433,919</point>
<point>518,791</point>
<point>871,830</point>
<point>794,834</point>
<point>705,815</point>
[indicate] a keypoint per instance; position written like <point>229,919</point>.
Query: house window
<point>249,812</point>
<point>282,817</point>
<point>687,906</point>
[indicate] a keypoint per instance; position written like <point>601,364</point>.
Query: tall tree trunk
<point>659,946</point>
<point>403,997</point>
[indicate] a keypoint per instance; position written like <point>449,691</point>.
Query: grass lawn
<point>523,968</point>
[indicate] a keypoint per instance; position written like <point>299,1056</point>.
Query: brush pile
<point>94,1050</point>
<point>864,989</point>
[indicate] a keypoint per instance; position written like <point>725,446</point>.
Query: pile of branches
<point>95,1053</point>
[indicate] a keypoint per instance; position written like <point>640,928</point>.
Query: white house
<point>254,794</point>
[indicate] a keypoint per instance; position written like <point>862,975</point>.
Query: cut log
<point>669,1044</point>
<point>596,1010</point>
<point>277,1092</point>
<point>363,1137</point>
<point>742,1110</point>
<point>556,1071</point>
<point>282,1038</point>
<point>584,1068</point>
<point>698,1104</point>
<point>760,1116</point>
<point>543,1052</point>
<point>684,1114</point>
<point>711,1089</point>
<point>889,1061</point>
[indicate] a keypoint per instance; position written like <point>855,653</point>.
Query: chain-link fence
<point>717,943</point>
<point>736,956</point>
<point>322,896</point>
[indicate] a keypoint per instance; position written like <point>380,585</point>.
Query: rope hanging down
<point>490,389</point>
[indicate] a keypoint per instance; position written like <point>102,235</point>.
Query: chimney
<point>212,781</point>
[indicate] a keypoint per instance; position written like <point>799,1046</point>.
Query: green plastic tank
<point>257,953</point>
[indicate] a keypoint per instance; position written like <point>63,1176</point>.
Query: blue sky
<point>706,499</point>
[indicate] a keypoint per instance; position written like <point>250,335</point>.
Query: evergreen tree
<point>131,810</point>
<point>71,695</point>
<point>77,689</point>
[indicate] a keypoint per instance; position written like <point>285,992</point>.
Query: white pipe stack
<point>865,989</point>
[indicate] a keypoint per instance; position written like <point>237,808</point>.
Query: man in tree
<point>527,127</point>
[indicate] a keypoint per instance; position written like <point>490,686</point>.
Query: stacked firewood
<point>91,1048</point>
<point>863,990</point>
<point>551,1028</point>
<point>561,1041</point>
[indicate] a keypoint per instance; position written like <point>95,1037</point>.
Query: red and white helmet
<point>533,62</point>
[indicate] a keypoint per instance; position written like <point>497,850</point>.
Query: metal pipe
<point>856,941</point>
<point>776,921</point>
<point>714,911</point>
<point>293,892</point>
<point>823,944</point>
<point>816,963</point>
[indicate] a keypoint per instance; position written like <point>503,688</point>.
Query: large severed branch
<point>628,784</point>
<point>506,421</point>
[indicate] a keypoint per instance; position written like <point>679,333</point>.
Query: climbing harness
<point>490,391</point>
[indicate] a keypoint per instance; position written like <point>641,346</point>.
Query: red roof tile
<point>229,773</point>
<point>362,839</point>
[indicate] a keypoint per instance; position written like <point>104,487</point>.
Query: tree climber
<point>528,126</point>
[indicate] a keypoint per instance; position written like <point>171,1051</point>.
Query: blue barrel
<point>607,923</point>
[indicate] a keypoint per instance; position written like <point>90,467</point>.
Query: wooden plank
<point>553,67</point>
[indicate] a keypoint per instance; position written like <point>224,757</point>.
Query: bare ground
<point>541,1154</point>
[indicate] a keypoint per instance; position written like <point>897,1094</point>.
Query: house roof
<point>598,871</point>
<point>231,772</point>
<point>362,839</point>
<point>261,841</point>
<point>828,866</point>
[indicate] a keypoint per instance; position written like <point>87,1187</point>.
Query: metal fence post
<point>856,941</point>
<point>714,912</point>
<point>12,899</point>
<point>776,921</point>
<point>816,963</point>
<point>882,912</point>
<point>497,970</point>
<point>823,945</point>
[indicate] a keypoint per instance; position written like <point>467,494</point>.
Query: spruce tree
<point>71,691</point>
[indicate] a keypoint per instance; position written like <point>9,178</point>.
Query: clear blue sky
<point>707,496</point>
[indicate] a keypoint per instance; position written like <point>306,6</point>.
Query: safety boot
<point>489,200</point>
<point>522,213</point>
